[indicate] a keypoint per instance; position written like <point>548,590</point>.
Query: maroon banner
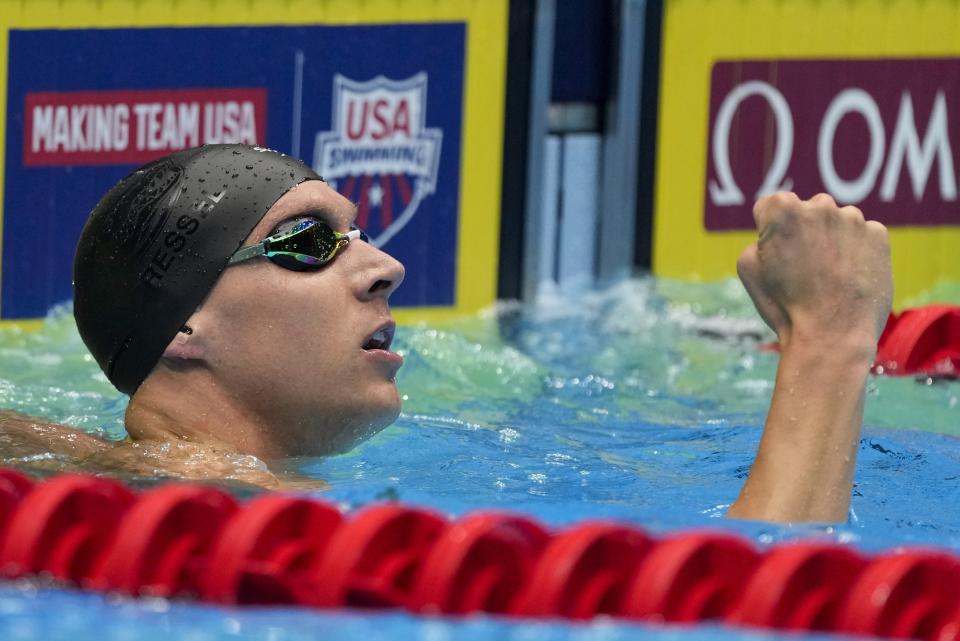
<point>134,127</point>
<point>883,135</point>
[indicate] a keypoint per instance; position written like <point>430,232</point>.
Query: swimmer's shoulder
<point>191,461</point>
<point>37,443</point>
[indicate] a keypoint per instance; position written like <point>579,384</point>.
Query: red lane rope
<point>190,541</point>
<point>923,340</point>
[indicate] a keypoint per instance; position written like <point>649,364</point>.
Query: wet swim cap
<point>155,244</point>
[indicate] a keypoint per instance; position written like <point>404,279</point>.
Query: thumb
<point>749,271</point>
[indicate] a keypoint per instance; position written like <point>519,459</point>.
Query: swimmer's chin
<point>354,433</point>
<point>371,429</point>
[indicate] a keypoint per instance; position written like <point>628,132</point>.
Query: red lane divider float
<point>478,564</point>
<point>63,528</point>
<point>691,577</point>
<point>161,545</point>
<point>184,540</point>
<point>799,587</point>
<point>582,572</point>
<point>269,552</point>
<point>924,340</point>
<point>908,595</point>
<point>13,487</point>
<point>372,559</point>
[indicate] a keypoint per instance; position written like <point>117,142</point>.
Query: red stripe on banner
<point>134,127</point>
<point>386,207</point>
<point>363,211</point>
<point>405,195</point>
<point>348,185</point>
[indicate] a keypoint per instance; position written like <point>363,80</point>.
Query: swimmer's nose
<point>384,278</point>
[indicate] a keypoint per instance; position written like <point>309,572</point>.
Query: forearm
<point>804,466</point>
<point>23,436</point>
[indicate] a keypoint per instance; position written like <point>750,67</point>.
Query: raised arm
<point>819,275</point>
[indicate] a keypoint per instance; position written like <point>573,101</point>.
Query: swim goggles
<point>309,245</point>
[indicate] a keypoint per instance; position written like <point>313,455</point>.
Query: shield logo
<point>379,153</point>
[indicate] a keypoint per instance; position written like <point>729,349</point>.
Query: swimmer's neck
<point>165,409</point>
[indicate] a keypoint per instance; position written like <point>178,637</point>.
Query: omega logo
<point>905,147</point>
<point>725,191</point>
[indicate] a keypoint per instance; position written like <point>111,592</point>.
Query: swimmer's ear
<point>185,346</point>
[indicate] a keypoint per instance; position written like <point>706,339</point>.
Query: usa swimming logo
<point>380,153</point>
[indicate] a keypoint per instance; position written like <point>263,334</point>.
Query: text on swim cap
<point>175,241</point>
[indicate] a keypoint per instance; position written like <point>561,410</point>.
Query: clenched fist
<point>818,271</point>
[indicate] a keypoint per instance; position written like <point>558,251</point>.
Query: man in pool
<point>225,290</point>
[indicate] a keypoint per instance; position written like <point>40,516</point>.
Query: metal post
<point>618,198</point>
<point>536,143</point>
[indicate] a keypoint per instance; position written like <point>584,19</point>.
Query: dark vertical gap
<point>516,122</point>
<point>561,161</point>
<point>613,26</point>
<point>612,36</point>
<point>581,64</point>
<point>647,162</point>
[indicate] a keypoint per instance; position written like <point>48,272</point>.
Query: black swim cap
<point>156,243</point>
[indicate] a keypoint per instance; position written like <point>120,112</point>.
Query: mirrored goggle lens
<point>315,242</point>
<point>310,245</point>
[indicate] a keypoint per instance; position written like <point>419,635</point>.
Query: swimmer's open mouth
<point>382,338</point>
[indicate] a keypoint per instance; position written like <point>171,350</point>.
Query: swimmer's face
<point>293,347</point>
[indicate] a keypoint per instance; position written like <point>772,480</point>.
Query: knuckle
<point>824,200</point>
<point>762,206</point>
<point>879,230</point>
<point>852,213</point>
<point>785,199</point>
<point>776,201</point>
<point>780,208</point>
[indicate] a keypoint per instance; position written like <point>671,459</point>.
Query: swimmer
<point>225,289</point>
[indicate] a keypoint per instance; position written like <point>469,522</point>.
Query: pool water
<point>642,402</point>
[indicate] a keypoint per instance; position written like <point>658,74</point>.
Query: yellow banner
<point>798,133</point>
